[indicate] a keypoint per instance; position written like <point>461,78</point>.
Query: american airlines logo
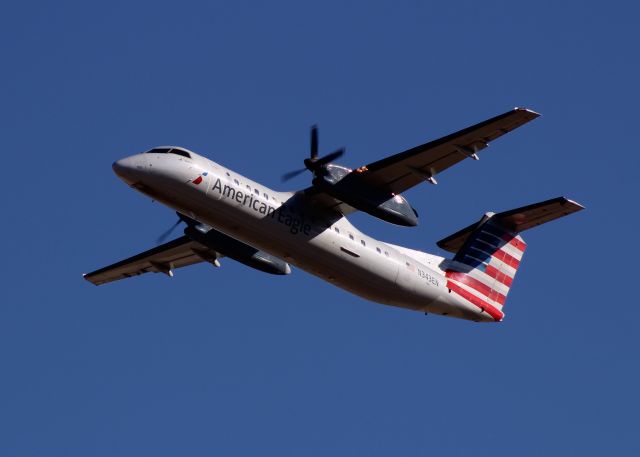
<point>198,180</point>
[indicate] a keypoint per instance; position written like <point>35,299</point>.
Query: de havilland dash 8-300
<point>228,215</point>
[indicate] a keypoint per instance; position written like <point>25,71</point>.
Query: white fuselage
<point>284,224</point>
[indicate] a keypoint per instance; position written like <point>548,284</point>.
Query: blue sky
<point>233,362</point>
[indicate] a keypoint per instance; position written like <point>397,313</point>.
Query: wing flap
<point>177,253</point>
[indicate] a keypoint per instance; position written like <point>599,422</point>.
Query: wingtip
<point>530,111</point>
<point>575,204</point>
<point>86,278</point>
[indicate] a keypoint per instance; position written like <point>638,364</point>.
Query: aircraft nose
<point>118,167</point>
<point>125,169</point>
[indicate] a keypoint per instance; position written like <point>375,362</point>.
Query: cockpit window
<point>180,152</point>
<point>176,151</point>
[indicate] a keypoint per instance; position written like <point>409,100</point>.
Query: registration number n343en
<point>430,279</point>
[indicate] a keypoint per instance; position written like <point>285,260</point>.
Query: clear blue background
<point>233,362</point>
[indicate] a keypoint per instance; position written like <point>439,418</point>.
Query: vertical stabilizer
<point>483,270</point>
<point>489,252</point>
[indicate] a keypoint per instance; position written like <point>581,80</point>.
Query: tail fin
<point>489,252</point>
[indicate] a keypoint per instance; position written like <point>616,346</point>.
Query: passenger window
<point>350,236</point>
<point>249,187</point>
<point>266,197</point>
<point>228,174</point>
<point>336,229</point>
<point>363,243</point>
<point>257,192</point>
<point>379,250</point>
<point>237,182</point>
<point>386,253</point>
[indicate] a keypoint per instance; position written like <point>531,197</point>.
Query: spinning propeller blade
<point>313,163</point>
<point>314,142</point>
<point>162,238</point>
<point>292,174</point>
<point>181,218</point>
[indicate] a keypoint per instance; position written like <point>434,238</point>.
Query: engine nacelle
<point>390,208</point>
<point>237,250</point>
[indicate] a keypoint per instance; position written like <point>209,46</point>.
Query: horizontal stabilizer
<point>516,220</point>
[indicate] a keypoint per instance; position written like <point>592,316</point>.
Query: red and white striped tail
<point>483,270</point>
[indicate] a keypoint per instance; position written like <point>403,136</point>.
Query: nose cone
<point>126,169</point>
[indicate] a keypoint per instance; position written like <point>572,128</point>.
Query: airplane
<point>229,215</point>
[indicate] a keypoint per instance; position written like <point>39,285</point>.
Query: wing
<point>178,253</point>
<point>402,171</point>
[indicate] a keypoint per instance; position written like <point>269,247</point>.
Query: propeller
<point>313,163</point>
<point>162,238</point>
